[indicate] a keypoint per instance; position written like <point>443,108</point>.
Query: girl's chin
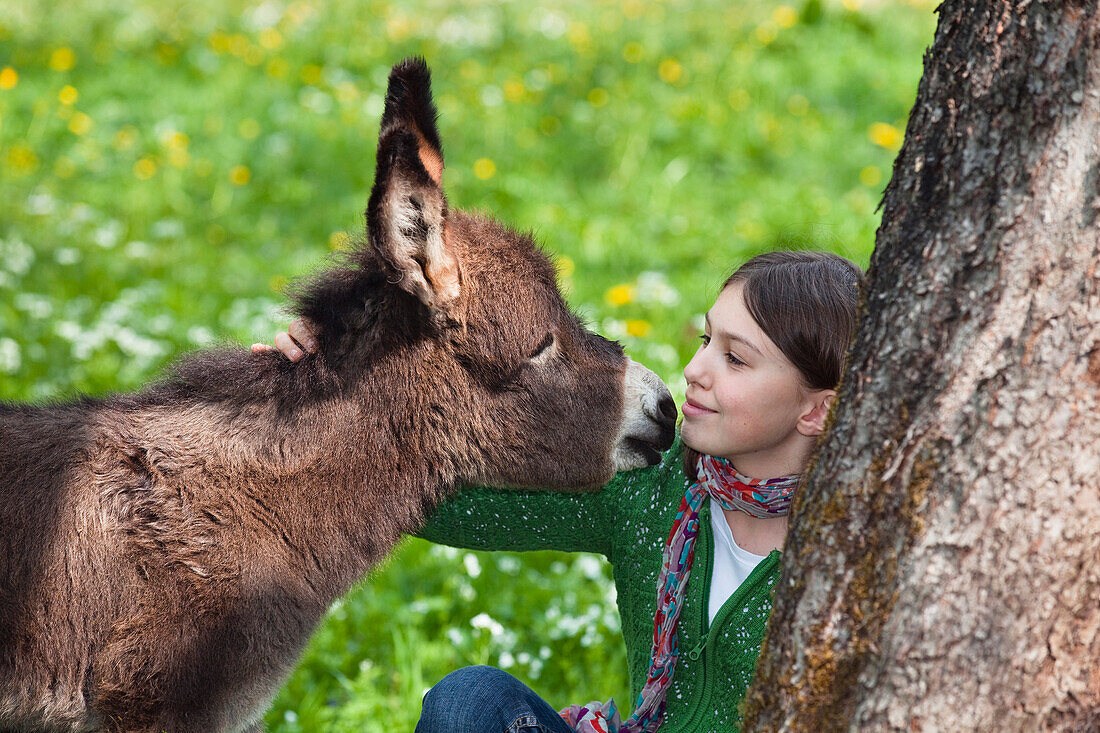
<point>693,438</point>
<point>704,441</point>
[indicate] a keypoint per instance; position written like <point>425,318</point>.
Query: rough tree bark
<point>943,567</point>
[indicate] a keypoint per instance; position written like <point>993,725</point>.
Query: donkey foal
<point>164,556</point>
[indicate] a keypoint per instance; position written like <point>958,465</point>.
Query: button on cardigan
<point>628,521</point>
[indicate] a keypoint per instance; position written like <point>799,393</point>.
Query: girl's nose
<point>694,372</point>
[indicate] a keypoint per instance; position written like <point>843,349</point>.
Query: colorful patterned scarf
<point>731,490</point>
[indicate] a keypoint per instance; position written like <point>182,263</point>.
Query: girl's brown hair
<point>806,303</point>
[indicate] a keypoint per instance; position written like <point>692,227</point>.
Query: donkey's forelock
<point>496,253</point>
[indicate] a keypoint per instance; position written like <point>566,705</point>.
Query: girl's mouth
<point>694,409</point>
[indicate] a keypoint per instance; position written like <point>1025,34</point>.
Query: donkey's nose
<point>667,408</point>
<point>661,409</point>
<point>666,421</point>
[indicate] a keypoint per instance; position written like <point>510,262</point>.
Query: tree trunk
<point>943,567</point>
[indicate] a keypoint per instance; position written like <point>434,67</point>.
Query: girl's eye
<point>704,338</point>
<point>732,359</point>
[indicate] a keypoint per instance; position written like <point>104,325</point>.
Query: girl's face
<point>745,401</point>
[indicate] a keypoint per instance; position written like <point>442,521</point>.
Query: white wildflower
<point>40,204</point>
<point>10,359</point>
<point>485,621</point>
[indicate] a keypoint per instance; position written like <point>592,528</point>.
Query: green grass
<point>166,167</point>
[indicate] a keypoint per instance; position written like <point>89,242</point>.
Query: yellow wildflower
<point>271,39</point>
<point>219,42</point>
<point>125,138</point>
<point>598,97</point>
<point>311,74</point>
<point>175,139</point>
<point>549,125</point>
<point>633,52</point>
<point>398,27</point>
<point>80,123</point>
<point>277,68</point>
<point>670,71</point>
<point>179,157</point>
<point>884,135</point>
<point>565,265</point>
<point>638,327</point>
<point>145,168</point>
<point>9,77</point>
<point>578,35</point>
<point>298,12</point>
<point>619,294</point>
<point>240,175</point>
<point>765,33</point>
<point>785,16</point>
<point>870,176</point>
<point>514,90</point>
<point>338,240</point>
<point>62,59</point>
<point>750,229</point>
<point>485,168</point>
<point>238,45</point>
<point>22,159</point>
<point>67,95</point>
<point>167,53</point>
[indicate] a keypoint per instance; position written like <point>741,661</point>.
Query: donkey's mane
<point>341,299</point>
<point>344,299</point>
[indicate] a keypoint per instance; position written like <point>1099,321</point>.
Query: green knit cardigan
<point>628,521</point>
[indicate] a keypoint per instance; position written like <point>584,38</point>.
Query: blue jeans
<point>486,700</point>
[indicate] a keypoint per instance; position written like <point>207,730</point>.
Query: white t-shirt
<point>731,563</point>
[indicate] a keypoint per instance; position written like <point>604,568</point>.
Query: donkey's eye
<point>544,350</point>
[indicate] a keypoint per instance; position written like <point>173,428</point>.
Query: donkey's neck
<point>335,482</point>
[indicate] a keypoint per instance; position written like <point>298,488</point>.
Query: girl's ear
<point>812,422</point>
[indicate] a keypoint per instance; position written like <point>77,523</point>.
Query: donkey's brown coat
<point>165,555</point>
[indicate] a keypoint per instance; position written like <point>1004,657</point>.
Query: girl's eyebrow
<point>730,336</point>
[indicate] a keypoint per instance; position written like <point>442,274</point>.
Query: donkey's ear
<point>407,208</point>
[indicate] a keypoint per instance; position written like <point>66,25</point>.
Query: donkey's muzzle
<point>649,419</point>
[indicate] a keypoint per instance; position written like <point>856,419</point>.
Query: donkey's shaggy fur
<point>165,555</point>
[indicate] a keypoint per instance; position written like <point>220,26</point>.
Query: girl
<point>759,389</point>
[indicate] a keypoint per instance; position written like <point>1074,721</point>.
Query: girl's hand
<point>298,340</point>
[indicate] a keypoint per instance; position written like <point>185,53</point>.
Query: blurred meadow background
<point>166,168</point>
